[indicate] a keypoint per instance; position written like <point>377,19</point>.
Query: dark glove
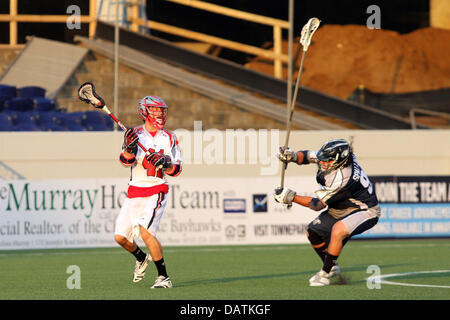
<point>130,141</point>
<point>159,160</point>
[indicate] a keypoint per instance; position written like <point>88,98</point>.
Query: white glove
<point>284,195</point>
<point>287,155</point>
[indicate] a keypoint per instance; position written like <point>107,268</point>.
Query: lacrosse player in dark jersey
<point>346,192</point>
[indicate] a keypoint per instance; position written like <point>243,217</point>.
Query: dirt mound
<point>341,58</point>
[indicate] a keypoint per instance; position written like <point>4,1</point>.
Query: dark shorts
<point>323,224</point>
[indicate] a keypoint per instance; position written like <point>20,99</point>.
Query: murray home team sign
<point>204,211</point>
<point>57,213</point>
<point>82,213</point>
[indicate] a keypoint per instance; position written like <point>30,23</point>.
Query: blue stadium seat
<point>50,121</point>
<point>3,100</point>
<point>31,92</point>
<point>44,104</point>
<point>6,122</point>
<point>96,127</point>
<point>26,127</point>
<point>19,104</point>
<point>24,118</point>
<point>72,121</point>
<point>97,121</point>
<point>8,91</point>
<point>52,127</point>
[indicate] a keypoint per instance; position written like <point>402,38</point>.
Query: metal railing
<point>276,54</point>
<point>413,111</point>
<point>14,19</point>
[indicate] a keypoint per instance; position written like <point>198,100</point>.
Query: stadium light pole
<point>116,63</point>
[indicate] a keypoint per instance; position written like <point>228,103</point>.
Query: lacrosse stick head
<point>308,31</point>
<point>87,94</point>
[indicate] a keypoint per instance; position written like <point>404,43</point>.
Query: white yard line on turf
<point>428,245</point>
<point>384,276</point>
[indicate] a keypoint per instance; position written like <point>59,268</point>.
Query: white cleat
<point>139,270</point>
<point>335,270</point>
<point>162,282</point>
<point>320,279</point>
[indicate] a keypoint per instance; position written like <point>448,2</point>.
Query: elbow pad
<point>127,162</point>
<point>316,204</point>
<point>305,157</point>
<point>176,170</point>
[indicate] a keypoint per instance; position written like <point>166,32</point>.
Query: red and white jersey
<point>148,181</point>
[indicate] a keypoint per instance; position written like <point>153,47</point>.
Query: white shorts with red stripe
<point>142,211</point>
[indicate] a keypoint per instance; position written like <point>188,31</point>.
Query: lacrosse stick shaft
<point>291,113</point>
<point>87,94</point>
<point>305,40</point>
<point>123,127</point>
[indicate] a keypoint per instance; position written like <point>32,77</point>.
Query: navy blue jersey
<point>346,190</point>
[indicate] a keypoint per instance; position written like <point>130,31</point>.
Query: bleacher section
<point>29,85</point>
<point>27,109</point>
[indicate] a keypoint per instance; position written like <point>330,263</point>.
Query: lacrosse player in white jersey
<point>142,211</point>
<point>346,192</point>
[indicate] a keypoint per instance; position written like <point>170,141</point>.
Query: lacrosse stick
<point>87,94</point>
<point>305,40</point>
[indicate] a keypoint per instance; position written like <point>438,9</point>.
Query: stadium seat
<point>8,91</point>
<point>3,100</point>
<point>44,104</point>
<point>31,92</point>
<point>50,121</point>
<point>97,121</point>
<point>24,118</point>
<point>96,127</point>
<point>6,122</point>
<point>18,104</point>
<point>26,127</point>
<point>52,127</point>
<point>72,121</point>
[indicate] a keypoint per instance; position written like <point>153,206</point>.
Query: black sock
<point>139,254</point>
<point>318,244</point>
<point>329,262</point>
<point>161,267</point>
<point>322,252</point>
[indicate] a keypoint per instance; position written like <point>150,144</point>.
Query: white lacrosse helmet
<point>146,109</point>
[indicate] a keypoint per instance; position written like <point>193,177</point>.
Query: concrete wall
<point>63,155</point>
<point>185,106</point>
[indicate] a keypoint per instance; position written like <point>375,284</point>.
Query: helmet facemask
<point>154,109</point>
<point>157,116</point>
<point>333,155</point>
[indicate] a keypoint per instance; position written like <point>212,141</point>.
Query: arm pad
<point>304,159</point>
<point>316,204</point>
<point>175,171</point>
<point>127,162</point>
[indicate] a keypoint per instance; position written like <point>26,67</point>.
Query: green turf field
<point>270,272</point>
